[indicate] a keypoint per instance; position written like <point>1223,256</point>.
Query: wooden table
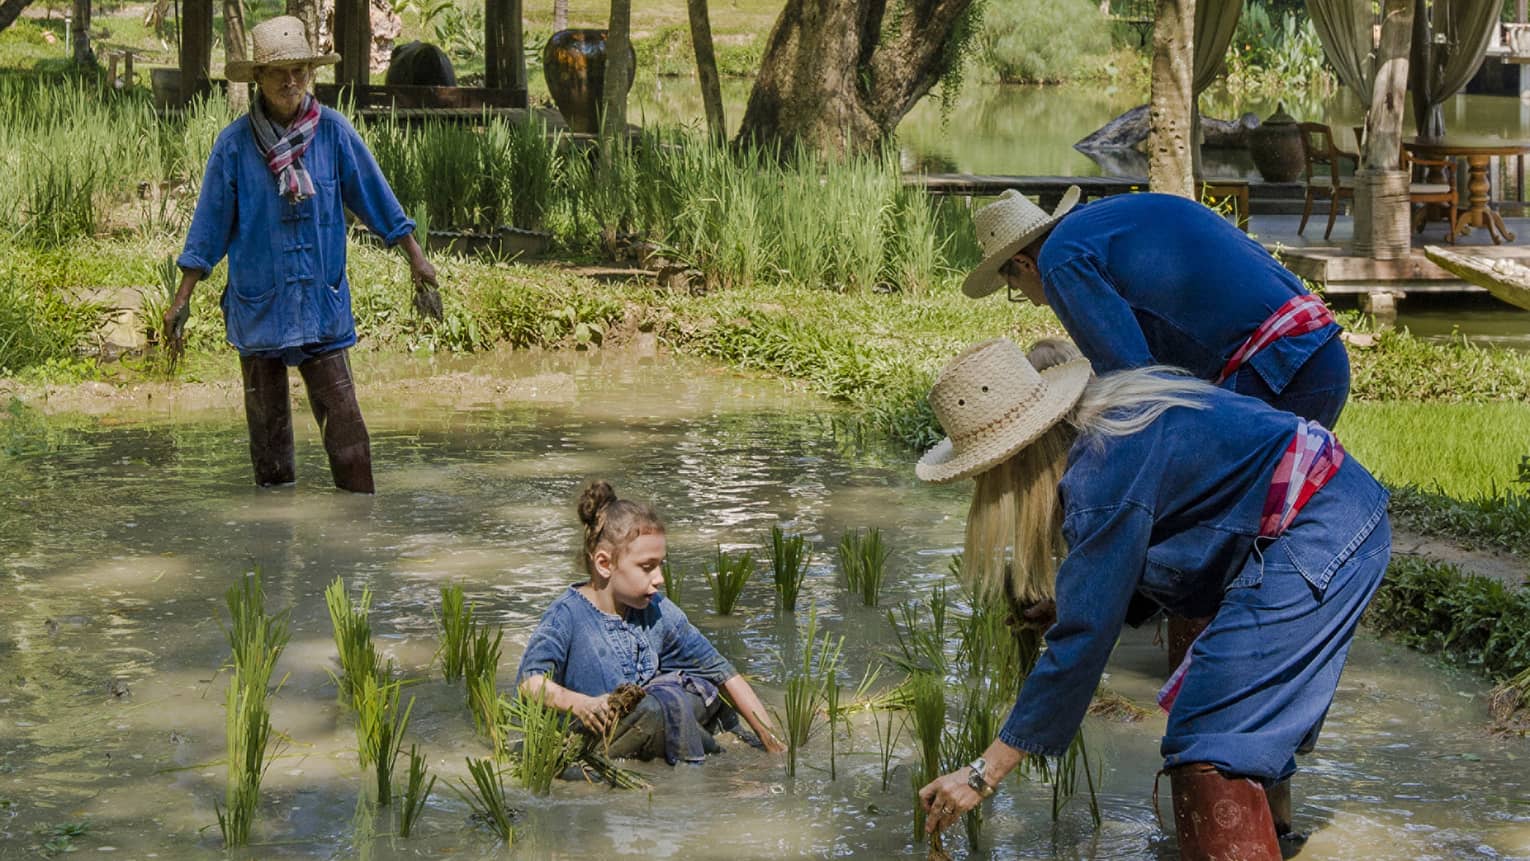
<point>1477,151</point>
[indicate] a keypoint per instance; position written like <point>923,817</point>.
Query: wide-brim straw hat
<point>1006,226</point>
<point>281,41</point>
<point>992,402</point>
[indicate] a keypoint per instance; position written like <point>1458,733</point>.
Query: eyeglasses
<point>1010,270</point>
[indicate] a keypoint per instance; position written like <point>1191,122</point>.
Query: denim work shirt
<point>591,652</point>
<point>1143,279</point>
<point>286,262</point>
<point>1172,512</point>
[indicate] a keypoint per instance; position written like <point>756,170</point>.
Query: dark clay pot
<point>1276,147</point>
<point>574,64</point>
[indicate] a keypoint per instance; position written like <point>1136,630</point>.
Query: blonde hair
<point>612,523</point>
<point>1014,525</point>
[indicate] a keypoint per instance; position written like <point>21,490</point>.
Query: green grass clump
<point>416,792</point>
<point>788,564</point>
<point>455,627</point>
<point>728,578</point>
<point>486,796</point>
<point>380,730</point>
<point>1492,521</point>
<point>256,640</point>
<point>353,640</point>
<point>549,744</point>
<point>863,559</point>
<point>810,691</point>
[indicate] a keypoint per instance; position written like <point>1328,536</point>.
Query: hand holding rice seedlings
<point>729,579</point>
<point>353,640</point>
<point>863,559</point>
<point>788,563</point>
<point>257,641</point>
<point>486,795</point>
<point>455,624</point>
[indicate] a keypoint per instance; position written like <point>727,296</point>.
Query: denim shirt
<point>1172,512</point>
<point>1142,279</point>
<point>286,262</point>
<point>591,652</point>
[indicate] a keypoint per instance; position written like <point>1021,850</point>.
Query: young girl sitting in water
<point>617,628</point>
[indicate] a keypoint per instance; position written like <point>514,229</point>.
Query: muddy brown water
<point>122,532</point>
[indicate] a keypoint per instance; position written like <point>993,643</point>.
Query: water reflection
<point>133,532</point>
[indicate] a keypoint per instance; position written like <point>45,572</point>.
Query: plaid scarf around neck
<point>283,148</point>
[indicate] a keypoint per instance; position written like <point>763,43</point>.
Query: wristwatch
<point>976,778</point>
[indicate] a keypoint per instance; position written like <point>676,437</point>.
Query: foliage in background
<point>1042,41</point>
<point>1277,55</point>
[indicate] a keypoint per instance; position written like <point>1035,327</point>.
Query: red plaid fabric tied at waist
<point>1312,458</point>
<point>1302,314</point>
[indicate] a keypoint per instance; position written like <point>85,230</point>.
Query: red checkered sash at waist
<point>1312,458</point>
<point>1300,315</point>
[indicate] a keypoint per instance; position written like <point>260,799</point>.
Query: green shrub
<point>1040,41</point>
<point>1435,607</point>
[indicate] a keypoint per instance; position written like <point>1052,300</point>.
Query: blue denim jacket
<point>1172,512</point>
<point>1142,279</point>
<point>286,262</point>
<point>590,652</point>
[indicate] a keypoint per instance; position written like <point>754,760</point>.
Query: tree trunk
<point>83,55</point>
<point>706,68</point>
<point>1170,167</point>
<point>560,15</point>
<point>838,75</point>
<point>10,9</point>
<point>1382,208</point>
<point>233,49</point>
<point>308,11</point>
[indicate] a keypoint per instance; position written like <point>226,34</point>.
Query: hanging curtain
<point>1215,23</point>
<point>1450,38</point>
<point>1344,28</point>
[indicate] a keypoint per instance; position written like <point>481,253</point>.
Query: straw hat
<point>993,402</point>
<point>281,41</point>
<point>1006,226</point>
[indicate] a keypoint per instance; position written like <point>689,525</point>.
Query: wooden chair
<point>1323,177</point>
<point>1434,188</point>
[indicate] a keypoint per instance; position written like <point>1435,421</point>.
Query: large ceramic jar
<point>574,65</point>
<point>1276,147</point>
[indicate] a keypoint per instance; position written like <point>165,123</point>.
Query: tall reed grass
<point>256,640</point>
<point>788,564</point>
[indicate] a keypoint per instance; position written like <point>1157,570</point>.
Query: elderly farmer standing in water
<point>1209,503</point>
<point>273,200</point>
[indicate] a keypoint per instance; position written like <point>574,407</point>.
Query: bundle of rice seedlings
<point>257,641</point>
<point>486,796</point>
<point>455,624</point>
<point>380,730</point>
<point>353,639</point>
<point>788,563</point>
<point>863,559</point>
<point>728,580</point>
<point>416,792</point>
<point>808,691</point>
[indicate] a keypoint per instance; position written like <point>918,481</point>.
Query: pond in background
<point>121,538</point>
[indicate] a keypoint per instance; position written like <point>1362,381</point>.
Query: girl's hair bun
<point>596,496</point>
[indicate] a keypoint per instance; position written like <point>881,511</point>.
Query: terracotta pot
<point>574,64</point>
<point>1276,147</point>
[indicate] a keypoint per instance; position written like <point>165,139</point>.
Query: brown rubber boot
<point>1221,818</point>
<point>1182,633</point>
<point>1291,840</point>
<point>268,413</point>
<point>333,398</point>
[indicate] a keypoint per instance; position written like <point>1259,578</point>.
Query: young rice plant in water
<point>480,673</point>
<point>256,640</point>
<point>863,558</point>
<point>808,690</point>
<point>380,730</point>
<point>728,580</point>
<point>486,796</point>
<point>548,743</point>
<point>788,563</point>
<point>455,625</point>
<point>353,640</point>
<point>416,792</point>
